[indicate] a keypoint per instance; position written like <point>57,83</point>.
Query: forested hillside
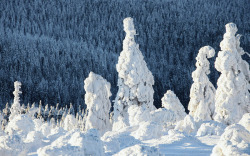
<point>51,46</point>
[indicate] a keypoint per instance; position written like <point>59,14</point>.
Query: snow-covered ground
<point>26,136</point>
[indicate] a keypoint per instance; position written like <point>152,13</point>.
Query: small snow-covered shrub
<point>234,141</point>
<point>171,102</point>
<point>187,125</point>
<point>211,128</point>
<point>70,122</point>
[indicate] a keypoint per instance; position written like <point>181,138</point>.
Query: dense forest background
<point>51,46</point>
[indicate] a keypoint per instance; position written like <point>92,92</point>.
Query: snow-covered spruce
<point>171,102</point>
<point>69,122</point>
<point>98,103</point>
<point>232,98</point>
<point>234,141</point>
<point>16,108</point>
<point>202,93</point>
<point>135,80</point>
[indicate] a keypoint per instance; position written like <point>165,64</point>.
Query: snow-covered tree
<point>135,80</point>
<point>6,111</point>
<point>232,98</point>
<point>202,93</point>
<point>40,114</point>
<point>171,102</point>
<point>71,109</point>
<point>70,122</point>
<point>16,108</point>
<point>98,103</point>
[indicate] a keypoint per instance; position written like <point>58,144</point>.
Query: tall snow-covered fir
<point>135,81</point>
<point>202,93</point>
<point>232,98</point>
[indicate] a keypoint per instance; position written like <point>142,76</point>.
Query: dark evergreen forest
<point>52,45</point>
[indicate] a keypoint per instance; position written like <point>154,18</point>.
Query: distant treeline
<point>51,46</point>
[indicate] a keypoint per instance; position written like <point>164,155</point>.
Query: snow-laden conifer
<point>16,108</point>
<point>202,93</point>
<point>134,79</point>
<point>98,103</point>
<point>232,98</point>
<point>171,102</point>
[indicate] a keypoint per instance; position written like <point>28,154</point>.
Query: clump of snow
<point>138,114</point>
<point>187,126</point>
<point>135,80</point>
<point>115,141</point>
<point>12,145</point>
<point>171,102</point>
<point>165,118</point>
<point>211,128</point>
<point>234,141</point>
<point>232,95</point>
<point>139,150</point>
<point>148,130</point>
<point>245,121</point>
<point>92,143</point>
<point>74,143</point>
<point>202,93</point>
<point>98,103</point>
<point>22,124</point>
<point>33,141</point>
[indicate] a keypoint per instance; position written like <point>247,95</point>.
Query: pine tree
<point>40,114</point>
<point>6,112</point>
<point>71,109</point>
<point>46,112</point>
<point>27,108</point>
<point>135,80</point>
<point>232,98</point>
<point>202,93</point>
